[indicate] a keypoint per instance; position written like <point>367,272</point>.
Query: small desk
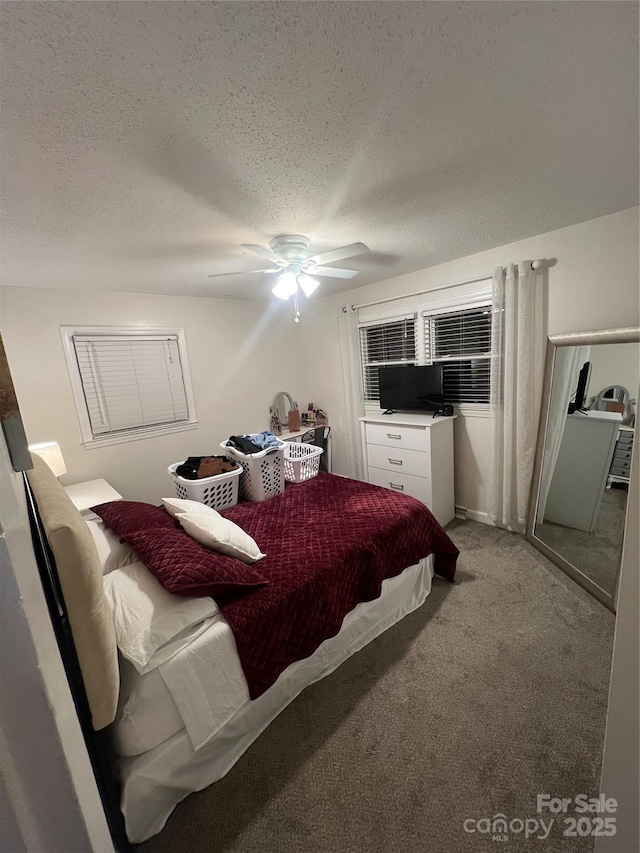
<point>91,493</point>
<point>292,436</point>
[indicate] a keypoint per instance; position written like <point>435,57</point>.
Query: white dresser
<point>583,465</point>
<point>620,471</point>
<point>412,454</point>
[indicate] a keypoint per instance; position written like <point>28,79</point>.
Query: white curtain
<point>347,424</point>
<point>517,358</point>
<point>567,365</point>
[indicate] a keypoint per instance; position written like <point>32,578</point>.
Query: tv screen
<point>411,388</point>
<point>579,398</point>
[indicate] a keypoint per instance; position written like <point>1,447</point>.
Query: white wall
<point>240,354</point>
<point>592,284</point>
<point>614,364</point>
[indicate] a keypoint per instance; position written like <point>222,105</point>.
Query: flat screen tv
<point>412,388</point>
<point>579,399</point>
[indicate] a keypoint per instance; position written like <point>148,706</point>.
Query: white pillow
<point>221,534</point>
<point>151,624</point>
<point>174,506</point>
<point>112,553</point>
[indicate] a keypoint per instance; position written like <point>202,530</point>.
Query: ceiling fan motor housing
<point>293,248</point>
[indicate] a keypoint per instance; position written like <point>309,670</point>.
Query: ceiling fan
<point>298,269</point>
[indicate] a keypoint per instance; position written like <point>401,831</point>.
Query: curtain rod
<point>535,265</point>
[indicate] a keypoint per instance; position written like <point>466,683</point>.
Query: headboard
<point>80,579</point>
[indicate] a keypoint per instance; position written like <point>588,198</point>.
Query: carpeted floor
<point>492,692</point>
<point>597,555</point>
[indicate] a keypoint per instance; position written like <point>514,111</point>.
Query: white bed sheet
<point>200,689</point>
<point>206,682</point>
<point>147,714</point>
<point>155,782</point>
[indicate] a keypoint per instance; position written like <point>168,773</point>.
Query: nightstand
<point>91,493</point>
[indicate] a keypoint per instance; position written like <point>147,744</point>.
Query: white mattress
<point>155,782</point>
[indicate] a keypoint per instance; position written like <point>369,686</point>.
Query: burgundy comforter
<point>329,543</point>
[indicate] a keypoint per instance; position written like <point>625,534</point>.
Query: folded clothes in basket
<point>243,444</point>
<point>198,467</point>
<point>249,444</point>
<point>265,440</point>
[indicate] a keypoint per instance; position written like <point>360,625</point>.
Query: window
<point>129,383</point>
<point>458,339</point>
<point>384,345</point>
<point>461,341</point>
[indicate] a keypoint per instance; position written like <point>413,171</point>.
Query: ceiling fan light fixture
<point>307,284</point>
<point>298,269</point>
<point>286,286</point>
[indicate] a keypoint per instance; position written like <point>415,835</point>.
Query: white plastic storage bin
<point>262,473</point>
<point>301,461</point>
<point>219,492</point>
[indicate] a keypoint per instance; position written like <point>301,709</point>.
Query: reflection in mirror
<point>586,462</point>
<point>615,398</point>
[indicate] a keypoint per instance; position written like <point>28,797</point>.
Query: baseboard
<point>482,517</point>
<point>473,515</point>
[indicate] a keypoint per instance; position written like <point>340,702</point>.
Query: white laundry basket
<point>218,492</point>
<point>301,461</point>
<point>262,473</point>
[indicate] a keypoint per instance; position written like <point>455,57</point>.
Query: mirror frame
<point>629,335</point>
<point>275,406</point>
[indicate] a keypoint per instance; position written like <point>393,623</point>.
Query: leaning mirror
<point>583,460</point>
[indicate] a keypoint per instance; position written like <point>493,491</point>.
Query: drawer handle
<point>395,461</point>
<point>398,488</point>
<point>393,436</point>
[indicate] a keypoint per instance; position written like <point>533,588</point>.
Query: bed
<point>344,562</point>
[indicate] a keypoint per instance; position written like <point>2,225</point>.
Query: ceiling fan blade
<point>332,272</point>
<point>242,272</point>
<point>340,254</point>
<point>264,253</point>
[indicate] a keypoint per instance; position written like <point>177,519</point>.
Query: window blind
<point>384,345</point>
<point>131,381</point>
<point>461,341</point>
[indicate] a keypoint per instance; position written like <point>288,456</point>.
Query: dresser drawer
<point>398,459</point>
<point>409,438</point>
<point>621,455</point>
<point>619,471</point>
<point>625,440</point>
<point>416,487</point>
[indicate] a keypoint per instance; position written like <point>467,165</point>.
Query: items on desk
<point>276,427</point>
<point>314,417</point>
<point>294,418</point>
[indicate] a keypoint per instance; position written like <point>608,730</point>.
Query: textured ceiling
<point>143,142</point>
